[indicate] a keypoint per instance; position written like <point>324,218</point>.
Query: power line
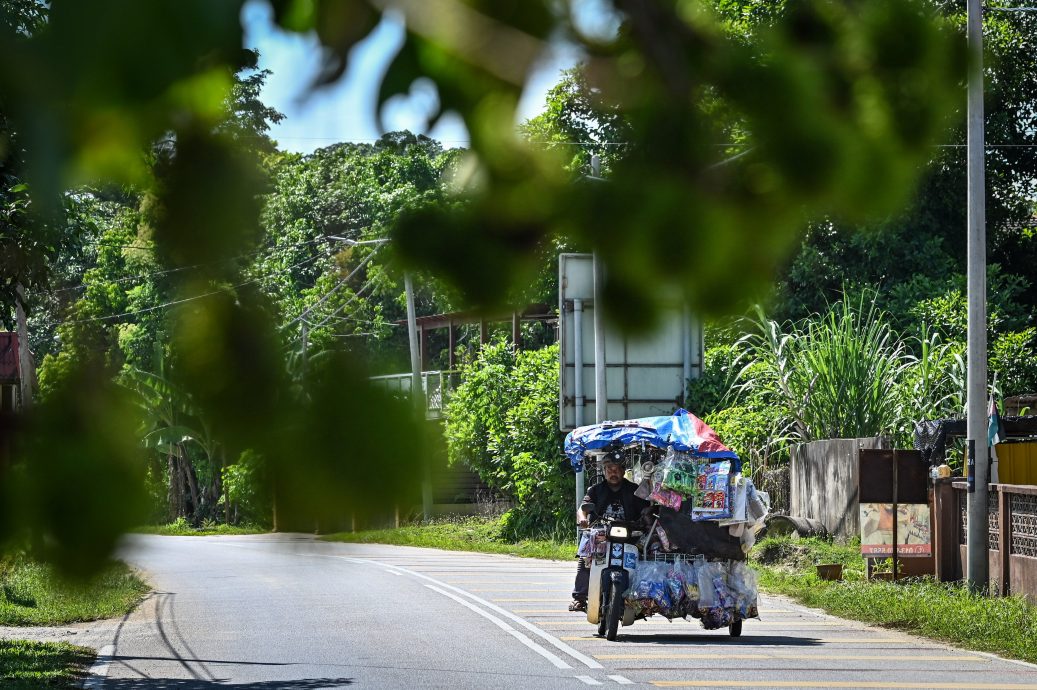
<point>343,305</point>
<point>167,271</point>
<point>333,290</point>
<point>186,299</point>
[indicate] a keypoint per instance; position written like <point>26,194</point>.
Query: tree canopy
<point>827,112</point>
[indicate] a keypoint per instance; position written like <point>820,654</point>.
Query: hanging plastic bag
<point>741,580</point>
<point>647,592</point>
<point>756,508</point>
<point>681,476</point>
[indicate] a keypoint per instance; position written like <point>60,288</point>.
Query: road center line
<point>554,641</point>
<point>505,627</point>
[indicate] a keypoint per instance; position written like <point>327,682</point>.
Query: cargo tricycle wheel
<point>615,611</point>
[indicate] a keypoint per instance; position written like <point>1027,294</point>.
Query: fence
<point>1012,520</point>
<point>436,385</point>
<point>823,482</point>
<point>776,483</point>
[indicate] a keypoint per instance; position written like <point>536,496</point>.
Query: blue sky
<point>344,111</point>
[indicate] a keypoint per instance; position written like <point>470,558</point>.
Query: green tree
<point>860,89</point>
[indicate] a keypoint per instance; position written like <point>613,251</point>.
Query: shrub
<point>707,393</point>
<point>1013,359</point>
<point>502,421</point>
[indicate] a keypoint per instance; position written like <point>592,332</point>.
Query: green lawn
<point>462,534</point>
<point>31,593</point>
<point>949,612</point>
<point>26,664</point>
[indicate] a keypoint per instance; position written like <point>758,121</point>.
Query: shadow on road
<point>725,639</point>
<point>198,684</point>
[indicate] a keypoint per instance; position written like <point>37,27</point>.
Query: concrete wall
<point>823,482</point>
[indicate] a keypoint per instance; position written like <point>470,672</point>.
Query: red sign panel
<point>8,357</point>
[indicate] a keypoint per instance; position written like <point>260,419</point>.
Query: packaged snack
<point>665,497</point>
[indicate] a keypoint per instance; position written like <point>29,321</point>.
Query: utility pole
<point>417,393</point>
<point>26,372</point>
<point>304,332</point>
<point>600,382</point>
<point>976,569</point>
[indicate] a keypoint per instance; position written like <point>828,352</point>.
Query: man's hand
<point>583,523</point>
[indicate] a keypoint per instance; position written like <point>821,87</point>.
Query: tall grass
<point>836,373</point>
<point>847,374</point>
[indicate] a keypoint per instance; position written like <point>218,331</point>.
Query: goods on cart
<point>718,592</point>
<point>707,515</point>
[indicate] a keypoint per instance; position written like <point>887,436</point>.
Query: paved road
<point>275,612</point>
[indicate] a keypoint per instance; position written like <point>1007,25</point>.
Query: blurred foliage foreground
<point>731,144</point>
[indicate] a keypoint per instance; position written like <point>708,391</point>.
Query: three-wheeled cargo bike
<point>685,557</point>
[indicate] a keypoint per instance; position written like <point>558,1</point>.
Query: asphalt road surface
<point>280,612</point>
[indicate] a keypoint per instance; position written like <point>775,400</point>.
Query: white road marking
<point>622,680</point>
<point>589,681</point>
<point>554,641</point>
<point>99,671</point>
<point>505,627</point>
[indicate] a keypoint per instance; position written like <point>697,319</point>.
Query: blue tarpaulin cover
<point>682,430</point>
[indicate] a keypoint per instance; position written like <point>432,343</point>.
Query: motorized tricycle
<point>686,557</point>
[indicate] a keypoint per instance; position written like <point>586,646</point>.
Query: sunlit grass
<point>462,534</point>
<point>25,664</point>
<point>182,528</point>
<point>32,593</point>
<point>944,611</point>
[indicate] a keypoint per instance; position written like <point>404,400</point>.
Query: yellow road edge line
<point>632,639</point>
<point>779,655</point>
<point>526,599</point>
<point>834,684</point>
<point>678,621</point>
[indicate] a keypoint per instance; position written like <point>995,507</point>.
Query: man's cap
<point>613,457</point>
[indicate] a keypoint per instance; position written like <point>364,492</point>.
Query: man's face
<point>613,474</point>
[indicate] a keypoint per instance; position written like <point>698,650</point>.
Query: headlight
<point>617,532</point>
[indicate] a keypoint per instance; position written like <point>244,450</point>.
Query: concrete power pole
<point>26,371</point>
<point>976,570</point>
<point>600,381</point>
<point>417,393</point>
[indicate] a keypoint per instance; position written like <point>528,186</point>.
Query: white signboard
<point>645,374</point>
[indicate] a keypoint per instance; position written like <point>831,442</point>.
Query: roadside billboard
<point>645,374</point>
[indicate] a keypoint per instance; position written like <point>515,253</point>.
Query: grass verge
<point>462,534</point>
<point>25,664</point>
<point>948,612</point>
<point>31,593</point>
<point>181,528</point>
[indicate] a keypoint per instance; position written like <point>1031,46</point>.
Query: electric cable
<point>186,299</point>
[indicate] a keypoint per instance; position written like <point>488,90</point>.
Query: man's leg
<point>583,578</point>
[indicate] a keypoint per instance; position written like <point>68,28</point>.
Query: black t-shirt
<point>621,504</point>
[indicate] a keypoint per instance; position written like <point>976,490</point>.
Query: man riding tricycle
<point>672,539</point>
